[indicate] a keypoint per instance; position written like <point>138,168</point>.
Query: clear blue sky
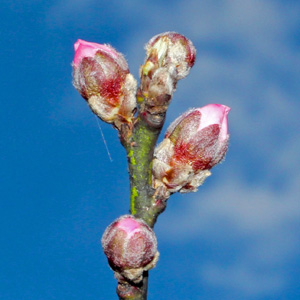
<point>236,238</point>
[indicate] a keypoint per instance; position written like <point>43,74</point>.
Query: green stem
<point>140,156</point>
<point>139,145</point>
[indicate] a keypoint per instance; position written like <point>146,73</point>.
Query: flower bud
<point>170,49</point>
<point>101,76</point>
<point>169,57</point>
<point>193,144</point>
<point>130,246</point>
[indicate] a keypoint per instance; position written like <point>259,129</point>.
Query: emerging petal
<point>101,76</point>
<point>130,246</point>
<point>214,114</point>
<point>194,143</point>
<point>87,49</point>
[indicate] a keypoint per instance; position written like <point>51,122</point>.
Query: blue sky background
<point>236,238</point>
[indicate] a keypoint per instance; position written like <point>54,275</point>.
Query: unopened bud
<point>193,144</point>
<point>170,49</point>
<point>101,76</point>
<point>169,57</point>
<point>130,246</point>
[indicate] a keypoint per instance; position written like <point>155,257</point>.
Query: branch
<point>194,143</point>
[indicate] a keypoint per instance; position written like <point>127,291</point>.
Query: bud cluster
<point>101,75</point>
<point>193,144</point>
<point>131,247</point>
<point>169,57</point>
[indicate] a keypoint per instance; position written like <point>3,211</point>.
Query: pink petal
<point>224,126</point>
<point>128,224</point>
<point>87,49</point>
<point>215,114</point>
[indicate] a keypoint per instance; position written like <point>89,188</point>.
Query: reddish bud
<point>193,144</point>
<point>101,76</point>
<point>130,246</point>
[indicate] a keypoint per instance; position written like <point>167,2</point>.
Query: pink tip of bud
<point>87,49</point>
<point>129,225</point>
<point>215,114</point>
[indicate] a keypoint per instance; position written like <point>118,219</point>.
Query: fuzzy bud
<point>193,144</point>
<point>170,49</point>
<point>101,76</point>
<point>131,247</point>
<point>169,57</point>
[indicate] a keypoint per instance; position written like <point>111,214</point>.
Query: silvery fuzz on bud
<point>131,248</point>
<point>101,75</point>
<point>193,144</point>
<point>169,57</point>
<point>170,50</point>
